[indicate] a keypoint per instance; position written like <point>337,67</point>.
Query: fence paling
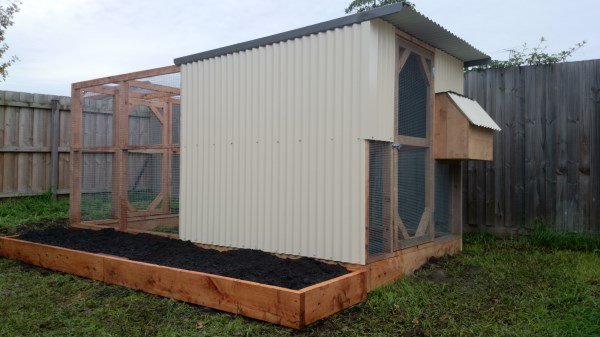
<point>26,133</point>
<point>547,157</point>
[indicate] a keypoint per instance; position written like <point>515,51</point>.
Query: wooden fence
<point>547,157</point>
<point>26,142</point>
<point>27,127</point>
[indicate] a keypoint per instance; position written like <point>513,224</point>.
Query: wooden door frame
<point>426,225</point>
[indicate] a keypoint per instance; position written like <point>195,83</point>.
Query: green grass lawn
<point>15,212</point>
<point>493,288</point>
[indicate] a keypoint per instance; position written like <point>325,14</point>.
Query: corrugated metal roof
<point>474,112</point>
<point>425,29</point>
<point>403,17</point>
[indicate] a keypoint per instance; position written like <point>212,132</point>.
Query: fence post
<point>54,132</point>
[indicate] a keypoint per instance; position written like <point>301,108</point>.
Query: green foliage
<point>544,236</point>
<point>14,212</point>
<point>526,56</point>
<point>365,5</point>
<point>7,13</point>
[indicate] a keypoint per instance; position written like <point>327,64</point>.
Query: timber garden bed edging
<point>291,308</point>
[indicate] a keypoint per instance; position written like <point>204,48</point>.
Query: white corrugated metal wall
<point>273,152</point>
<point>448,73</point>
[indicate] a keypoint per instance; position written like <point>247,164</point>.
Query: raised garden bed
<point>244,264</point>
<point>162,268</point>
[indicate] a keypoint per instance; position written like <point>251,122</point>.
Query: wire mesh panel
<point>96,189</point>
<point>145,127</point>
<point>441,215</point>
<point>145,179</point>
<point>412,98</point>
<point>97,120</point>
<point>168,80</point>
<point>380,221</point>
<point>175,120</point>
<point>175,184</point>
<point>411,170</point>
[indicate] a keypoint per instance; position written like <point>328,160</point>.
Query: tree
<point>526,56</point>
<point>7,13</point>
<point>365,5</point>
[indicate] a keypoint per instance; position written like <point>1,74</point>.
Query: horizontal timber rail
<point>126,77</point>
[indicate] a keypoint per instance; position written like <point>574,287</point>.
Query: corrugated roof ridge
<point>449,32</point>
<point>347,20</point>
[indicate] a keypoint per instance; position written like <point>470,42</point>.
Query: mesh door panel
<point>412,99</point>
<point>379,198</point>
<point>441,215</point>
<point>411,186</point>
<point>144,127</point>
<point>145,178</point>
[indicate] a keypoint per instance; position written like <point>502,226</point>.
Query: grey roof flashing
<point>390,13</point>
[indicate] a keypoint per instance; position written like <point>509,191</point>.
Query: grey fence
<point>27,127</point>
<point>547,157</point>
<point>28,124</point>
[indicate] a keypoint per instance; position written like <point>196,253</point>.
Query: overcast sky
<point>64,41</point>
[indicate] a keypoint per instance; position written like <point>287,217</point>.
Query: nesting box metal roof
<point>474,112</point>
<point>401,16</point>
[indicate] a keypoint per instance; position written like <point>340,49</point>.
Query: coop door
<point>412,160</point>
<point>148,162</point>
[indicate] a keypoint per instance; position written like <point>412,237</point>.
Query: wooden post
<point>120,160</point>
<point>123,138</point>
<point>167,157</point>
<point>54,132</point>
<point>76,142</point>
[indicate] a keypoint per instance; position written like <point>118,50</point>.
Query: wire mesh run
<point>412,98</point>
<point>380,221</point>
<point>411,186</point>
<point>126,137</point>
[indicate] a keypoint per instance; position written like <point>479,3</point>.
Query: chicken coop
<point>342,142</point>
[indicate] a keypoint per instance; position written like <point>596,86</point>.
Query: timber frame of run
<point>125,92</point>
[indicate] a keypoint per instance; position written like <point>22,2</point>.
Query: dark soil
<point>245,264</point>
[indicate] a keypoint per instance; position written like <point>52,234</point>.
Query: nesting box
<point>463,129</point>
